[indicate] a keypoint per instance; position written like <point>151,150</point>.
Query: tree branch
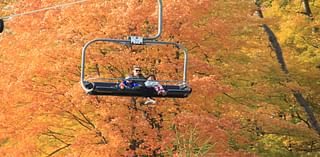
<point>88,121</point>
<point>55,137</point>
<point>56,151</point>
<point>305,121</point>
<point>79,120</point>
<point>312,119</point>
<point>98,132</point>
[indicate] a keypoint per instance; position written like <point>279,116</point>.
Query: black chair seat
<point>1,25</point>
<point>112,89</point>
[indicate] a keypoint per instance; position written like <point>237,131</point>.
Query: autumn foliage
<point>240,105</point>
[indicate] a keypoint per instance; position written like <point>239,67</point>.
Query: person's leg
<point>149,101</point>
<point>160,90</point>
<point>156,88</point>
<point>133,100</point>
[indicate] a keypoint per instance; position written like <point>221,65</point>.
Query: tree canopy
<point>241,105</point>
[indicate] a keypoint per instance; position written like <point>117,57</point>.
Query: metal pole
<point>1,25</point>
<point>83,56</point>
<point>159,23</point>
<point>185,67</point>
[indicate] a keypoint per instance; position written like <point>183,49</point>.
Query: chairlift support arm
<point>159,22</point>
<point>106,88</point>
<point>139,40</point>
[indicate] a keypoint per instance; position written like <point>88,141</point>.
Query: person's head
<point>151,77</point>
<point>136,71</point>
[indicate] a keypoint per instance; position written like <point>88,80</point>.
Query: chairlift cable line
<point>5,18</point>
<point>43,9</point>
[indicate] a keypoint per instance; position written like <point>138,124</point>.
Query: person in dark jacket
<point>137,74</point>
<point>128,83</point>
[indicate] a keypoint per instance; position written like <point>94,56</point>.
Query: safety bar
<point>134,79</point>
<point>128,42</point>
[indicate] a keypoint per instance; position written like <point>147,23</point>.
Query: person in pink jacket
<point>152,83</point>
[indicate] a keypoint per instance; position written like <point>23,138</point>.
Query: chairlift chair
<point>92,87</point>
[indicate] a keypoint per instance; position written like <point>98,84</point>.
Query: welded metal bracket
<point>136,40</point>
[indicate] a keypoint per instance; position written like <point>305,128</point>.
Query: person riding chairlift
<point>152,83</point>
<point>128,83</point>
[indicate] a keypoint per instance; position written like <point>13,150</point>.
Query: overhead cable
<point>43,9</point>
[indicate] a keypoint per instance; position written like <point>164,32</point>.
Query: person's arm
<point>136,85</point>
<point>152,83</point>
<point>147,83</point>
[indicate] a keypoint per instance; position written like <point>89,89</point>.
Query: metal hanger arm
<point>159,23</point>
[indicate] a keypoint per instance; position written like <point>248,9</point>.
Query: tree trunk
<point>312,119</point>
<point>258,12</point>
<point>308,12</point>
<point>307,8</point>
<point>300,99</point>
<point>277,48</point>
